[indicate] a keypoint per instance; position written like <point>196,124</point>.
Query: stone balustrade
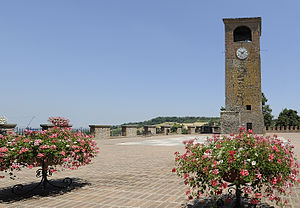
<point>100,131</point>
<point>283,129</point>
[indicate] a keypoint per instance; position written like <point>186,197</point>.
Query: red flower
<point>173,170</point>
<point>254,201</point>
<point>258,195</point>
<point>188,192</point>
<point>213,182</point>
<point>232,153</point>
<point>185,176</point>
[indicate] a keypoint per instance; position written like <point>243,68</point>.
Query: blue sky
<point>116,61</point>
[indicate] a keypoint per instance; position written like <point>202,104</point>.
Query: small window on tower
<point>248,107</point>
<point>249,126</point>
<point>242,33</point>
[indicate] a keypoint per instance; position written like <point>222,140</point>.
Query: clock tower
<point>243,99</point>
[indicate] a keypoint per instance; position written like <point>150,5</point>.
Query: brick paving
<point>136,174</point>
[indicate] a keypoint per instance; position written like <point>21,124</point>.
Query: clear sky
<point>116,61</point>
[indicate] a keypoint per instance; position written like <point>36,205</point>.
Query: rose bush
<point>260,166</point>
<point>56,147</point>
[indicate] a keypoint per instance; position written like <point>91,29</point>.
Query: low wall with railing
<point>283,129</point>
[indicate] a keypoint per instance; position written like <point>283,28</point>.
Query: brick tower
<point>243,99</point>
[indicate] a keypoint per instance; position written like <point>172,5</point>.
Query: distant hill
<point>182,120</point>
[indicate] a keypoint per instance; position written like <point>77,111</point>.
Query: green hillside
<point>182,120</point>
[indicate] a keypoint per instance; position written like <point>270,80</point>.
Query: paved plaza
<point>128,172</point>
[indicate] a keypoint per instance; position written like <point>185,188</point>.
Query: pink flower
<point>37,142</point>
<point>62,153</point>
<point>244,172</point>
<point>215,171</point>
<point>53,147</point>
<point>274,180</point>
<point>40,155</point>
<point>30,166</point>
<point>3,149</point>
<point>15,165</point>
<point>271,157</point>
<point>275,148</point>
<point>259,176</point>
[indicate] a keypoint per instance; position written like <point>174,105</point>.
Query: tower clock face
<point>242,53</point>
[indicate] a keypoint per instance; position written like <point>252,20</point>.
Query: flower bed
<point>258,166</point>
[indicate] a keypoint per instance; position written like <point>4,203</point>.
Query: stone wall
<point>165,130</point>
<point>179,130</point>
<point>230,121</point>
<point>150,130</point>
<point>100,131</point>
<point>129,131</point>
<point>191,129</point>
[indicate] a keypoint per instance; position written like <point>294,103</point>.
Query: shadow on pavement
<point>7,195</point>
<point>207,203</point>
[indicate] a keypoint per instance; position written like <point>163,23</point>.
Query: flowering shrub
<point>59,121</point>
<point>259,166</point>
<point>56,146</point>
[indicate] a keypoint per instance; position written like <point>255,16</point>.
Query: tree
<point>266,110</point>
<point>288,117</point>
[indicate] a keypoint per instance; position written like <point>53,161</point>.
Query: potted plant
<point>57,147</point>
<point>258,166</point>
